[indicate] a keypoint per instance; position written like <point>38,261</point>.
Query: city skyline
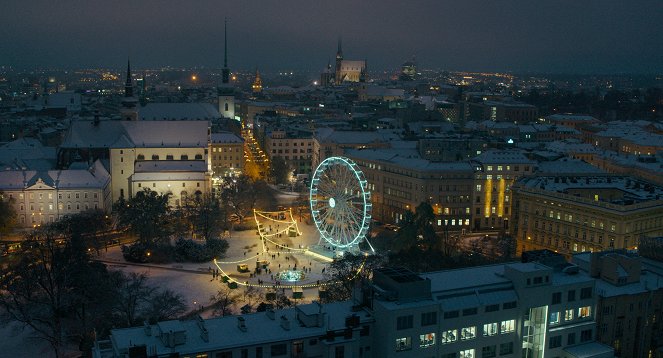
<point>514,36</point>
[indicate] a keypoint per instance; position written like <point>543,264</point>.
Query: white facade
<point>513,310</point>
<point>44,197</point>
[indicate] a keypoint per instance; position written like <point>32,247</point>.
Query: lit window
<point>468,333</point>
<point>490,329</point>
<point>508,326</point>
<point>468,353</point>
<point>554,318</point>
<point>499,168</point>
<point>568,315</point>
<point>449,336</point>
<point>403,344</point>
<point>584,312</point>
<point>426,340</point>
<point>489,168</point>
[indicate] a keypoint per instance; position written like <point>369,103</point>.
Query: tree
<point>165,305</point>
<point>204,215</point>
<point>224,300</point>
<point>407,234</point>
<point>147,215</point>
<point>7,214</point>
<point>346,271</point>
<point>43,289</point>
<point>131,296</point>
<point>239,195</point>
<point>280,171</point>
<point>423,219</point>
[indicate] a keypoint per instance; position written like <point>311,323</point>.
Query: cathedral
<point>345,70</point>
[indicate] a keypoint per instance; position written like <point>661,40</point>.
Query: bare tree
<point>224,300</point>
<point>132,296</point>
<point>36,290</point>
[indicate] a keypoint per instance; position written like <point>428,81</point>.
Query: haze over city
<point>346,179</point>
<point>608,36</point>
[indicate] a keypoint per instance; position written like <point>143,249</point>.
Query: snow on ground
<point>197,289</point>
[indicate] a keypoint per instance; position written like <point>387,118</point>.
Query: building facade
<point>226,154</point>
<point>496,171</point>
<point>297,149</point>
<point>44,197</point>
<point>513,310</point>
<point>629,289</point>
<point>399,183</point>
<point>570,214</point>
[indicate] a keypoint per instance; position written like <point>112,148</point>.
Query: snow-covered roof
<point>27,153</point>
<point>407,158</point>
<point>571,117</point>
<point>496,156</point>
<point>94,177</point>
<point>178,111</point>
<point>567,165</point>
<point>223,332</point>
<point>129,134</point>
<point>225,137</point>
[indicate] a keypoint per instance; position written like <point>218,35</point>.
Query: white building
<point>126,144</point>
<point>513,310</point>
<point>41,197</point>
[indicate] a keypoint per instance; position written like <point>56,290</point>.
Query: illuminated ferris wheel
<point>340,202</point>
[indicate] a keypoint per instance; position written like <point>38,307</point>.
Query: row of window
<point>168,157</point>
<point>585,293</point>
<point>154,185</point>
<point>237,149</point>
<point>280,144</point>
<point>486,352</point>
<point>556,341</point>
<point>60,207</point>
<point>294,151</point>
<point>224,157</point>
<point>489,329</point>
<point>583,312</point>
<point>50,195</point>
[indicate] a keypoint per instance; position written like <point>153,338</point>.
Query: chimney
<point>285,323</point>
<point>241,324</point>
<point>147,328</point>
<point>171,339</point>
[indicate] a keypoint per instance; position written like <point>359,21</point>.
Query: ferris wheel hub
<point>332,202</point>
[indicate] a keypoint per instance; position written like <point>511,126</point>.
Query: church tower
<point>226,91</point>
<point>339,62</point>
<point>129,110</point>
<point>257,84</point>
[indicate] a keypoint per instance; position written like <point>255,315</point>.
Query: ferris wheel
<point>340,202</point>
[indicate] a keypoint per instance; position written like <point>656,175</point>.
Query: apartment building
<point>495,173</point>
<point>630,301</point>
<point>400,180</point>
<point>507,310</point>
<point>226,154</point>
<point>585,212</point>
<point>295,147</point>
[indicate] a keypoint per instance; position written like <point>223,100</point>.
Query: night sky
<point>557,36</point>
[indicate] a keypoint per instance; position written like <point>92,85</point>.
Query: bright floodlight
<point>340,202</point>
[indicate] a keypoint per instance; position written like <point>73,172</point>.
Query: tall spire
<point>339,51</point>
<point>225,73</point>
<point>128,86</point>
<point>225,42</point>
